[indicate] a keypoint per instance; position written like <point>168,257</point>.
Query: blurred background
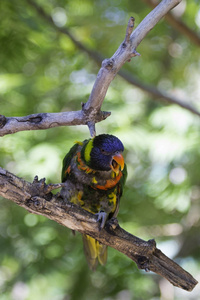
<point>43,70</point>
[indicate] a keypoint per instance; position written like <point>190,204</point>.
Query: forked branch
<point>157,94</point>
<point>91,111</point>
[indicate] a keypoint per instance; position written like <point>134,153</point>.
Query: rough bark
<point>37,198</point>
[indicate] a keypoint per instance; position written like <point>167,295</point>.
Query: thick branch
<point>37,198</point>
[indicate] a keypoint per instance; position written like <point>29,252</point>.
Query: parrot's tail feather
<point>102,253</point>
<point>90,250</point>
<point>94,252</point>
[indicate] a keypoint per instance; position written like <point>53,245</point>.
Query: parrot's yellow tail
<point>94,251</point>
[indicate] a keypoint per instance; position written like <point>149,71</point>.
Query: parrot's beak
<point>117,162</point>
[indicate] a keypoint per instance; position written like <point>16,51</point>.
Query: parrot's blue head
<point>104,153</point>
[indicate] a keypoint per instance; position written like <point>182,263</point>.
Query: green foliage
<point>43,71</point>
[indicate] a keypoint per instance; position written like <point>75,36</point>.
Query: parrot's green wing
<point>67,161</point>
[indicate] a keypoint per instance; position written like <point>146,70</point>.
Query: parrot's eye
<point>103,151</point>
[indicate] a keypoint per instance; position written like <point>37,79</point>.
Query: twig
<point>129,30</point>
<point>37,199</point>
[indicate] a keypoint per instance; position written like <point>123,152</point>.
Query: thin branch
<point>98,58</point>
<point>158,93</point>
<point>110,67</point>
<point>37,199</point>
<point>179,25</point>
<point>151,20</point>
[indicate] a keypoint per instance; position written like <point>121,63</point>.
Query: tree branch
<point>124,53</point>
<point>38,199</point>
<point>49,120</point>
<point>98,58</point>
<point>179,25</point>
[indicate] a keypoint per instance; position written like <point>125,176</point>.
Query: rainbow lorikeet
<point>94,174</point>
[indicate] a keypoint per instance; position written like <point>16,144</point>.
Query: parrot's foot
<point>102,218</point>
<point>40,186</point>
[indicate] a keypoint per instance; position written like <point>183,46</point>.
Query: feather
<point>94,252</point>
<point>90,250</point>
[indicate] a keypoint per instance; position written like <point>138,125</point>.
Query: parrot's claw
<point>40,186</point>
<point>102,218</point>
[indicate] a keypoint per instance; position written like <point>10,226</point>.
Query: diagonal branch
<point>127,49</point>
<point>37,199</point>
<point>179,25</point>
<point>98,58</point>
<point>151,20</point>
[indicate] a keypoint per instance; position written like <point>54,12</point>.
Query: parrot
<point>94,174</point>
